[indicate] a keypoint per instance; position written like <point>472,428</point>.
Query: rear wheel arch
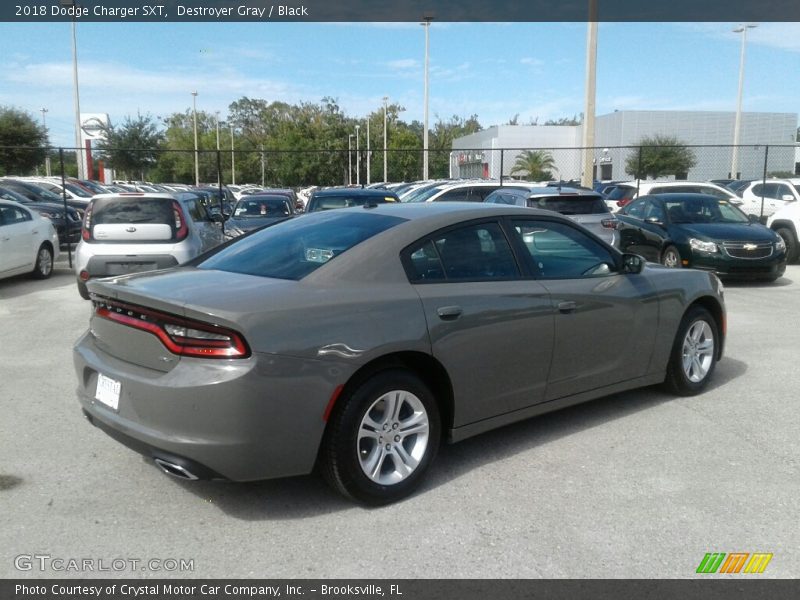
<point>424,366</point>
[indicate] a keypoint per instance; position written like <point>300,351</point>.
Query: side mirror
<point>787,198</point>
<point>632,263</point>
<point>753,218</point>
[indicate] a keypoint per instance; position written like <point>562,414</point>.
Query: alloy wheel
<point>698,351</point>
<point>393,437</point>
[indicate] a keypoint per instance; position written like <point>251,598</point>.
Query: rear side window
<point>473,253</point>
<point>292,249</point>
<point>571,205</point>
<point>10,215</point>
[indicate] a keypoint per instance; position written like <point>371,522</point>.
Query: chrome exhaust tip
<point>175,470</point>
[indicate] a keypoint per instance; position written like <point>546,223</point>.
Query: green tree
<point>660,156</point>
<point>441,142</point>
<point>534,164</point>
<point>575,120</point>
<point>132,148</point>
<point>19,128</point>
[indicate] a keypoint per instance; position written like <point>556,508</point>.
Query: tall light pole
<point>47,156</point>
<point>79,156</point>
<point>587,178</point>
<point>219,175</point>
<point>233,160</point>
<point>358,159</point>
<point>196,153</point>
<point>737,126</point>
<point>369,156</point>
<point>385,109</point>
<point>350,159</point>
<point>427,25</point>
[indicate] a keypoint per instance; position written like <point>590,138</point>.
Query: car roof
<point>673,196</point>
<point>538,190</point>
<point>353,192</point>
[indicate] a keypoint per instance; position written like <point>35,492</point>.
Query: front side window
<point>560,251</point>
<point>476,252</point>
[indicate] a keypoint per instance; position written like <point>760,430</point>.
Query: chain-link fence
<point>270,167</point>
<point>329,167</point>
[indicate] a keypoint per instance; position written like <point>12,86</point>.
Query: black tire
<point>343,452</point>
<point>82,290</point>
<point>43,267</point>
<point>790,240</point>
<point>678,381</point>
<point>671,257</point>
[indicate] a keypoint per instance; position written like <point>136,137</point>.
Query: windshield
<point>423,195</point>
<point>575,205</point>
<point>621,192</point>
<point>703,210</point>
<point>262,207</point>
<point>330,201</point>
<point>292,249</point>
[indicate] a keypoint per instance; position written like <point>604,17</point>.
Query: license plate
<point>126,268</point>
<point>107,391</point>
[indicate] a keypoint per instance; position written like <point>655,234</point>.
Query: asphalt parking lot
<point>637,485</point>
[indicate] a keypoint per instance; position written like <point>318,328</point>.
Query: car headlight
<point>703,246</point>
<point>50,215</point>
<point>780,245</point>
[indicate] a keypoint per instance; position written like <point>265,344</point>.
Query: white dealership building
<point>710,134</point>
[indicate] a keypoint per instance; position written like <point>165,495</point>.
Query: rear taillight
<point>87,223</point>
<point>181,228</point>
<point>179,335</point>
<point>623,202</point>
<point>611,223</point>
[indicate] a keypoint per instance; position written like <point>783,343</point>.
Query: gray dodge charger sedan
<point>358,339</point>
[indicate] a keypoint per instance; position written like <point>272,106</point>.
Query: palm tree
<point>535,164</point>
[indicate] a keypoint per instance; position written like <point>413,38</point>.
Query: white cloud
<point>403,64</point>
<point>533,62</point>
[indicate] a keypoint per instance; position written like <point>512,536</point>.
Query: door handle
<point>449,313</point>
<point>567,307</point>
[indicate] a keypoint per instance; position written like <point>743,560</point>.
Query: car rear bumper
<point>242,420</point>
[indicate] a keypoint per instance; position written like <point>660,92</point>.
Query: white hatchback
<point>773,194</point>
<point>133,232</point>
<point>28,242</point>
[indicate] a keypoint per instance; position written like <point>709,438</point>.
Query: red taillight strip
<point>181,227</point>
<point>87,222</point>
<point>184,346</point>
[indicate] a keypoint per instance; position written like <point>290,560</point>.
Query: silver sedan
<point>361,338</point>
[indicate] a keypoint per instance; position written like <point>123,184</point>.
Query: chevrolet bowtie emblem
<point>749,246</point>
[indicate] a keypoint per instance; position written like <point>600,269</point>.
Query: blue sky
<point>494,70</point>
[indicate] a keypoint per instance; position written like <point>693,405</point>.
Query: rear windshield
<point>262,207</point>
<point>575,205</point>
<point>292,249</point>
<point>133,210</point>
<point>621,193</point>
<point>347,200</point>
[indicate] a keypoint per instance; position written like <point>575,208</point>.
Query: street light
<point>219,174</point>
<point>196,154</point>
<point>369,156</point>
<point>385,108</point>
<point>47,156</point>
<point>358,159</point>
<point>427,25</point>
<point>587,179</point>
<point>737,126</point>
<point>79,157</point>
<point>350,137</point>
<point>233,160</point>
